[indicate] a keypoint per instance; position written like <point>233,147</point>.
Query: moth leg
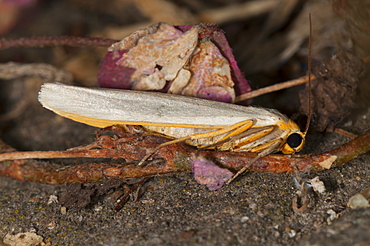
<point>253,136</point>
<point>270,149</point>
<point>198,136</point>
<point>262,147</point>
<point>244,132</point>
<point>247,124</point>
<point>237,129</point>
<point>243,125</point>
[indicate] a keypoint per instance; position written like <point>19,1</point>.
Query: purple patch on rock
<point>209,174</point>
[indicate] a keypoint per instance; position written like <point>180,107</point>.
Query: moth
<point>198,122</point>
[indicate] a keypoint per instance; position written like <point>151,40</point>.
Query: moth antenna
<point>309,113</point>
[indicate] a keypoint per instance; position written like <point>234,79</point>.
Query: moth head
<point>295,140</point>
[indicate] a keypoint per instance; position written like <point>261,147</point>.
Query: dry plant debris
<point>191,60</point>
<point>169,159</point>
<point>334,90</point>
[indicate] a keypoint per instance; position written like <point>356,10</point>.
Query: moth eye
<point>294,140</point>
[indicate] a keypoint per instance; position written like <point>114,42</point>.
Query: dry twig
<point>273,88</point>
<point>169,159</point>
<point>54,41</point>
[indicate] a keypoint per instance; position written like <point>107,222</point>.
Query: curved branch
<point>169,159</point>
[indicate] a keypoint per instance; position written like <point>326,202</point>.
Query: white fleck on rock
<point>317,185</point>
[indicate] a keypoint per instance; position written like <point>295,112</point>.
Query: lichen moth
<point>197,122</point>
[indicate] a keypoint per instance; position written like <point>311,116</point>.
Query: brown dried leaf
<point>81,195</point>
<point>334,90</point>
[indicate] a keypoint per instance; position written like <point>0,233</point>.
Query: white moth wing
<point>147,108</point>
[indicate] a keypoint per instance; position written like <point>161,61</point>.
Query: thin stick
<point>309,78</point>
<point>55,41</point>
<point>344,133</point>
<point>273,88</point>
<point>52,154</point>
